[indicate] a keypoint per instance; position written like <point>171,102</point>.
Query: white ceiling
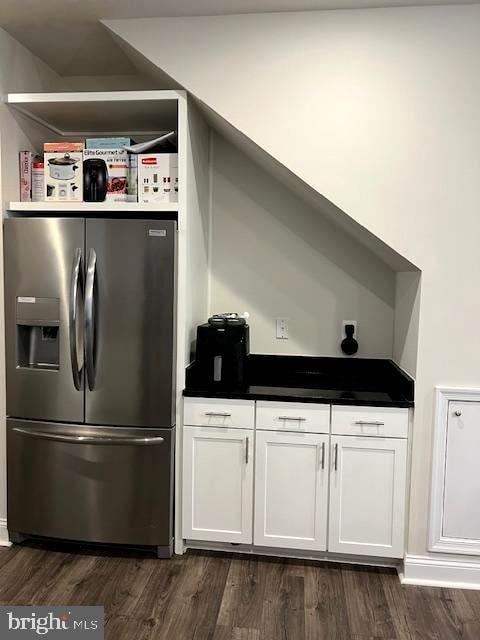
<point>67,35</point>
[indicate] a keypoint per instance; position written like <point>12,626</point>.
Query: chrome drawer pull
<point>373,423</point>
<point>296,418</point>
<point>218,414</point>
<point>88,439</point>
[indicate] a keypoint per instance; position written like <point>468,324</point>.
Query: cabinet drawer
<point>370,421</point>
<point>293,416</point>
<point>212,412</point>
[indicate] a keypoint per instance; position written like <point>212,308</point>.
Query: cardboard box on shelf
<point>118,172</point>
<point>38,180</point>
<point>132,190</point>
<point>63,171</point>
<point>107,143</point>
<point>158,177</point>
<point>25,158</point>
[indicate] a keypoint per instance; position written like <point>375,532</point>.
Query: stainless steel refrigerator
<point>90,354</point>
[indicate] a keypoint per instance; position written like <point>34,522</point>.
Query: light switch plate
<point>282,328</point>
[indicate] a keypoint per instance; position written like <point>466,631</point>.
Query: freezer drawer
<point>94,484</point>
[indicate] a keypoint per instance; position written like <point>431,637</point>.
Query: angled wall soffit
<point>278,170</point>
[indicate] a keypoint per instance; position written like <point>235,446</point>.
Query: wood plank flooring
<point>207,596</point>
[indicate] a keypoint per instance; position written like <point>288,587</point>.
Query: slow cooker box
<point>63,171</point>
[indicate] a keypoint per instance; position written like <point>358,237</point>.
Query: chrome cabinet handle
<point>335,464</point>
<point>457,413</point>
<point>321,457</point>
<point>218,414</point>
<point>62,437</point>
<point>297,418</point>
<point>76,285</point>
<point>90,319</point>
<point>247,447</point>
<point>374,423</point>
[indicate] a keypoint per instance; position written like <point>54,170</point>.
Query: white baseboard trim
<point>432,572</point>
<point>296,554</point>
<point>4,541</point>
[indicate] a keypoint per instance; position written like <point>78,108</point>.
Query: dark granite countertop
<point>347,381</point>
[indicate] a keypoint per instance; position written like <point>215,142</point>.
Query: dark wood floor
<point>204,596</point>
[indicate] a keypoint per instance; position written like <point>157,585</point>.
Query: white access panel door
<point>218,484</point>
<point>291,490</point>
<point>461,512</point>
<point>367,496</point>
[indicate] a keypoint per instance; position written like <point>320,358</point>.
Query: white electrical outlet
<point>282,328</point>
<point>344,335</point>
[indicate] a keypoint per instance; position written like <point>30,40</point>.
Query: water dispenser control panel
<point>38,326</point>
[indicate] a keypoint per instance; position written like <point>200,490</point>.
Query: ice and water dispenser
<point>38,326</point>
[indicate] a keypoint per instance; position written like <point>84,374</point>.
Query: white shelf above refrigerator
<point>79,114</point>
<point>88,207</point>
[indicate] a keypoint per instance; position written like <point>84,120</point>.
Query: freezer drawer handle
<point>90,319</point>
<point>217,414</point>
<point>60,437</point>
<point>75,287</point>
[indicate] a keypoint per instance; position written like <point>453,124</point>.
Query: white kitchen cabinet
<point>383,422</point>
<point>218,484</point>
<point>367,496</point>
<point>291,490</point>
<point>215,412</point>
<point>306,417</point>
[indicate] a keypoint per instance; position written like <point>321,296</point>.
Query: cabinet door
<point>291,490</point>
<point>461,515</point>
<point>218,484</point>
<point>367,496</point>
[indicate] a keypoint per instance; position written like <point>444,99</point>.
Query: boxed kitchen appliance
<point>132,178</point>
<point>38,180</point>
<point>107,143</point>
<point>25,158</point>
<point>63,171</point>
<point>117,167</point>
<point>157,177</point>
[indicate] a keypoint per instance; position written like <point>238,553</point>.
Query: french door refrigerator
<point>90,354</point>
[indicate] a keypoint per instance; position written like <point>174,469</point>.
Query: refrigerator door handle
<point>90,319</point>
<point>60,437</point>
<point>76,286</point>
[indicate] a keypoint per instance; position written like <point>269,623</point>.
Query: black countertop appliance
<point>95,180</point>
<point>223,346</point>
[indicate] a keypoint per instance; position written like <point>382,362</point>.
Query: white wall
<point>407,316</point>
<point>198,227</point>
<point>379,111</point>
<point>127,82</point>
<point>19,71</point>
<point>273,256</point>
